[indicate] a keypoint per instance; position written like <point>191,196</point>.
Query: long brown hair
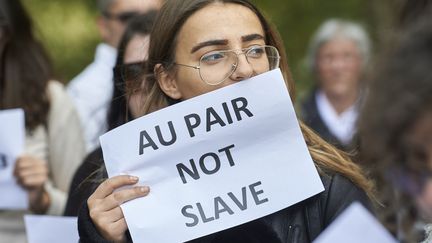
<point>24,66</point>
<point>162,51</point>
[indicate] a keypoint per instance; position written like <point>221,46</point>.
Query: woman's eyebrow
<point>223,42</point>
<point>251,37</point>
<point>209,43</point>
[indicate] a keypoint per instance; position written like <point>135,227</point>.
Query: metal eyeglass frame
<point>234,65</point>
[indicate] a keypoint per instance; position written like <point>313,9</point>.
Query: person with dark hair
<point>96,79</point>
<point>337,57</point>
<point>188,35</point>
<point>124,107</point>
<point>395,130</point>
<point>54,145</point>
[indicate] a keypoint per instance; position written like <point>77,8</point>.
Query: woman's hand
<point>32,173</point>
<point>104,206</point>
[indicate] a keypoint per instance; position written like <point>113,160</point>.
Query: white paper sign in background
<point>214,161</point>
<point>12,135</point>
<point>355,225</point>
<point>44,229</point>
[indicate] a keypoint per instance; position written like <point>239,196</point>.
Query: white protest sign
<point>12,136</point>
<point>214,161</point>
<point>355,225</point>
<point>43,229</point>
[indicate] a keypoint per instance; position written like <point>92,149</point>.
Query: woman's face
<point>218,26</point>
<point>339,66</point>
<point>136,51</point>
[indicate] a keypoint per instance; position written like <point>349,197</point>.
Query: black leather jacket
<point>302,222</point>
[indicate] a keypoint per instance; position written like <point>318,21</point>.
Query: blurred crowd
<point>367,118</point>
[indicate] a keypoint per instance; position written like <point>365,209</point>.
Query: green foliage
<point>68,29</point>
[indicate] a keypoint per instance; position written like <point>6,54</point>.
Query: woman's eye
<point>256,52</point>
<point>213,57</point>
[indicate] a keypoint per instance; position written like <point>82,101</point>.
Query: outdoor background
<point>68,30</point>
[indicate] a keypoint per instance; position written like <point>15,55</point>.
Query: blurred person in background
<point>92,89</point>
<point>395,131</point>
<point>54,145</point>
<point>125,104</point>
<point>338,55</point>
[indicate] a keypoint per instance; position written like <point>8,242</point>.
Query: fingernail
<point>133,178</point>
<point>144,189</point>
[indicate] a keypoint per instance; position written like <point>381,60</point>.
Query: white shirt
<point>342,126</point>
<point>91,92</point>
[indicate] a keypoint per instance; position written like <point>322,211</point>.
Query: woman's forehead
<point>220,21</point>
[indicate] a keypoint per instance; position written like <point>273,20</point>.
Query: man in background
<point>92,89</point>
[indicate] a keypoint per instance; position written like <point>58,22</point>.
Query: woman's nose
<point>242,69</point>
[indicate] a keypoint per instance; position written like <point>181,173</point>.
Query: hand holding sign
<point>32,173</point>
<point>104,205</point>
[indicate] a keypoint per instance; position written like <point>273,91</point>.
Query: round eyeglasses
<point>216,66</point>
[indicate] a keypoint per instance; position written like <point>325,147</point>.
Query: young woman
<point>132,54</point>
<point>192,33</point>
<point>53,144</point>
